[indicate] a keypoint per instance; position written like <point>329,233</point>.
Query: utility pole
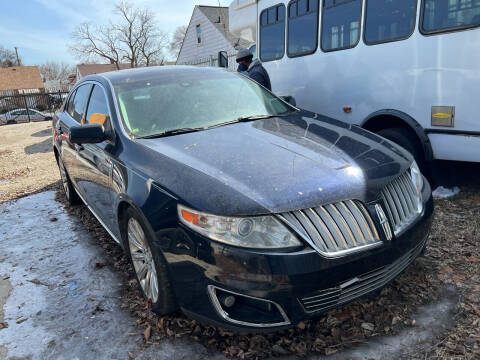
<point>18,59</point>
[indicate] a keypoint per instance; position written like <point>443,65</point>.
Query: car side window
<point>80,102</point>
<point>69,105</point>
<point>97,106</point>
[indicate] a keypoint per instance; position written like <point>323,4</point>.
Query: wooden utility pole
<point>18,59</point>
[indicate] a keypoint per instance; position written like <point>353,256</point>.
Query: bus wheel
<point>407,140</point>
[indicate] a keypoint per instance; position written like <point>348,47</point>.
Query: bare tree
<point>134,38</point>
<point>52,70</point>
<point>177,39</point>
<point>99,42</point>
<point>7,57</point>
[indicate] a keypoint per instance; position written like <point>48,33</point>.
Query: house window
<point>199,34</point>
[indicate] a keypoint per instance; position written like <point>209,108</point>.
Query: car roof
<point>155,71</point>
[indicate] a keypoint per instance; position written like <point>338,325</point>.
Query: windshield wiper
<point>245,119</point>
<point>188,130</point>
<point>171,132</point>
<point>255,117</point>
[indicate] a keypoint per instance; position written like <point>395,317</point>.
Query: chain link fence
<point>19,106</point>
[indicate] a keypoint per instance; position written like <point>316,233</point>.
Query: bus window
<point>447,15</point>
<point>272,33</point>
<point>340,24</point>
<point>389,20</point>
<point>302,27</point>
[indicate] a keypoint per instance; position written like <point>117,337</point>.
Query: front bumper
<point>278,290</point>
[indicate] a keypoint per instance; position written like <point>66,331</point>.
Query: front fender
<point>156,207</point>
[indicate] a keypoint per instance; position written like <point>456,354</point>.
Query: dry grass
<point>27,164</point>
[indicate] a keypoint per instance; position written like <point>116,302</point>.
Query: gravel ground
<point>450,268</point>
<point>27,164</point>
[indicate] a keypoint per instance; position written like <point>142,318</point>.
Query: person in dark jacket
<point>255,69</point>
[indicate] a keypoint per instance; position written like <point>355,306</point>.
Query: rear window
<point>272,33</point>
<point>389,20</point>
<point>446,15</point>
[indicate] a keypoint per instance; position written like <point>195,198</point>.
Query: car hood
<point>275,165</point>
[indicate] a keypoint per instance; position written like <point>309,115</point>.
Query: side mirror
<point>222,59</point>
<point>289,99</point>
<point>48,118</point>
<point>86,134</point>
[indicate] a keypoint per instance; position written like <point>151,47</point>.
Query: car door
<point>95,164</point>
<point>12,116</point>
<point>35,116</point>
<point>72,116</point>
<point>20,116</point>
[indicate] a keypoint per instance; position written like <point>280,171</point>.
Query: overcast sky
<point>41,28</point>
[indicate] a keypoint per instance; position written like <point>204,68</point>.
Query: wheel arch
<point>124,202</point>
<point>376,122</point>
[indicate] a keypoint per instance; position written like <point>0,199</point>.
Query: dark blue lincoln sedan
<point>233,205</point>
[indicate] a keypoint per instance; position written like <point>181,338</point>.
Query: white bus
<point>406,69</point>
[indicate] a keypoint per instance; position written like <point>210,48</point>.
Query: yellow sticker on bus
<point>442,115</point>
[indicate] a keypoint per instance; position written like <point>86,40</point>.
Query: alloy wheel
<point>142,259</point>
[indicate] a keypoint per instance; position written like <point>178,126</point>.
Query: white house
<point>207,34</point>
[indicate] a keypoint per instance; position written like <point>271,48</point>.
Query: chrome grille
<point>401,202</point>
<point>360,285</point>
<point>335,229</point>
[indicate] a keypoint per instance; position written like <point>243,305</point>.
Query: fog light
<point>228,300</point>
<point>247,310</point>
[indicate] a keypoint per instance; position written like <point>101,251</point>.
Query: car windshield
<point>190,99</point>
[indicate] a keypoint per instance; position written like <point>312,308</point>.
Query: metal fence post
<point>26,107</point>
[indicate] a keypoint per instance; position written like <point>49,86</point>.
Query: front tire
<point>149,265</point>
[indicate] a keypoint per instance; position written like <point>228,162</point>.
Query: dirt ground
<point>449,270</point>
<point>27,164</point>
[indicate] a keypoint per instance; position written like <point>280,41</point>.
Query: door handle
<point>79,147</point>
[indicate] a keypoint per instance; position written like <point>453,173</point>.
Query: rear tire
<point>405,139</point>
<point>148,263</point>
<point>70,193</point>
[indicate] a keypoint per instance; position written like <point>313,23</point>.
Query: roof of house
<point>20,77</point>
<point>89,69</point>
<point>218,16</point>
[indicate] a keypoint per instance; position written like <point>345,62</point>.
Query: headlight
<point>250,232</point>
<point>417,180</point>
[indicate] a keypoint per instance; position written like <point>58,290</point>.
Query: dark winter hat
<point>243,54</point>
